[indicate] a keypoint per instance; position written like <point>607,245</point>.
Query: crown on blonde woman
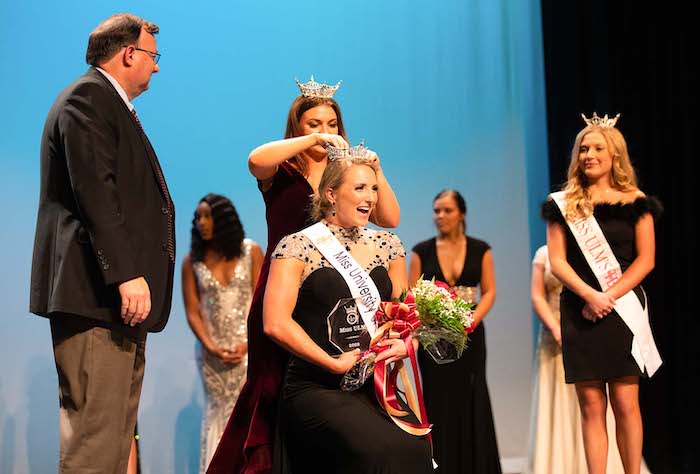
<point>596,121</point>
<point>359,152</point>
<point>317,89</point>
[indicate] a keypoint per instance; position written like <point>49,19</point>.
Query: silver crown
<point>317,89</point>
<point>596,121</point>
<point>358,152</point>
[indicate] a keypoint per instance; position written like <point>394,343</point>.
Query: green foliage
<point>442,317</point>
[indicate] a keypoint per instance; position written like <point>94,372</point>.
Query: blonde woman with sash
<point>600,238</point>
<point>324,429</point>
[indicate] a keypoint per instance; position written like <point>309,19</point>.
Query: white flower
<point>468,319</point>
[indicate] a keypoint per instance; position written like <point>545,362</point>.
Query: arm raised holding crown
<point>264,160</point>
<point>388,211</point>
<point>314,123</point>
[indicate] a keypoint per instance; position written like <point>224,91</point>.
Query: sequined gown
<point>224,308</point>
<point>324,429</point>
<point>247,444</point>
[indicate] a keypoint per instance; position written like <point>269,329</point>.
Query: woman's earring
<point>333,213</point>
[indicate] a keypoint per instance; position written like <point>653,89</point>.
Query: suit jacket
<point>105,213</point>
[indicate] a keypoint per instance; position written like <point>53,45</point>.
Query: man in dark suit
<point>104,249</point>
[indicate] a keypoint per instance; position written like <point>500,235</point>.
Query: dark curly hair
<point>228,230</point>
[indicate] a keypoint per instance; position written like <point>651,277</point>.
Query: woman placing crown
<point>600,237</point>
<point>288,173</point>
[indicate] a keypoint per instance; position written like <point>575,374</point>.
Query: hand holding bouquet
<point>440,321</point>
<point>446,320</point>
<point>428,312</point>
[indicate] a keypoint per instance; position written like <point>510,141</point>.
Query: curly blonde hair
<point>333,178</point>
<point>578,198</point>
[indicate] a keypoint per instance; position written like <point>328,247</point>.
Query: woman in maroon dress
<point>288,173</point>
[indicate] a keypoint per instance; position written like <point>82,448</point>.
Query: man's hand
<point>136,301</point>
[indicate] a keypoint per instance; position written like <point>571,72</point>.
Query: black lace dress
<point>600,350</point>
<point>456,394</point>
<point>323,428</point>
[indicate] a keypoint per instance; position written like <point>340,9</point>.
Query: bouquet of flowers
<point>446,320</point>
<point>429,312</point>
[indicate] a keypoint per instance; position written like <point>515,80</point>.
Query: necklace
<point>600,195</point>
<point>601,191</point>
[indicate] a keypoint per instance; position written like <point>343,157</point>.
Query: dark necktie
<point>138,122</point>
<point>170,245</point>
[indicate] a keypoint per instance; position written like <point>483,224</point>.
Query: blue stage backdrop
<point>449,94</point>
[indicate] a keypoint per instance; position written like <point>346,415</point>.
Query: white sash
<point>600,258</point>
<point>361,285</point>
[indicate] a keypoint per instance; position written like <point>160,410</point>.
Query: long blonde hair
<point>578,198</point>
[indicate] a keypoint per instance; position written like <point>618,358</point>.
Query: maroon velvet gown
<point>247,443</point>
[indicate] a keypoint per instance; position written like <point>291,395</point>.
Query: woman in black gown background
<point>323,428</point>
<point>456,395</point>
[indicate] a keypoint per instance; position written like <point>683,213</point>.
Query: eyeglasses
<point>154,56</point>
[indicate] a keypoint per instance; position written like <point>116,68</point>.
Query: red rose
<point>444,285</point>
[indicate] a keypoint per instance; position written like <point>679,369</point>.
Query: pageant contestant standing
<point>557,442</point>
<point>218,278</point>
<point>104,250</point>
<point>288,172</point>
<point>456,395</point>
<point>600,237</point>
<point>325,429</point>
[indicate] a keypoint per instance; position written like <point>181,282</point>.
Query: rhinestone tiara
<point>358,152</point>
<point>596,121</point>
<point>317,89</point>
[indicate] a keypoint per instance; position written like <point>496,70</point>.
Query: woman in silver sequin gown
<point>218,278</point>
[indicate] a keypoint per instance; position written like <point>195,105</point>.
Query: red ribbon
<point>397,321</point>
<point>444,285</point>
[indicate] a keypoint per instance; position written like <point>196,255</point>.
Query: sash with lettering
<point>596,249</point>
<point>362,287</point>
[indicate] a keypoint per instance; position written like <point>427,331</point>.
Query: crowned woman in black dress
<point>597,343</point>
<point>324,429</point>
<point>456,394</point>
<point>600,351</point>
